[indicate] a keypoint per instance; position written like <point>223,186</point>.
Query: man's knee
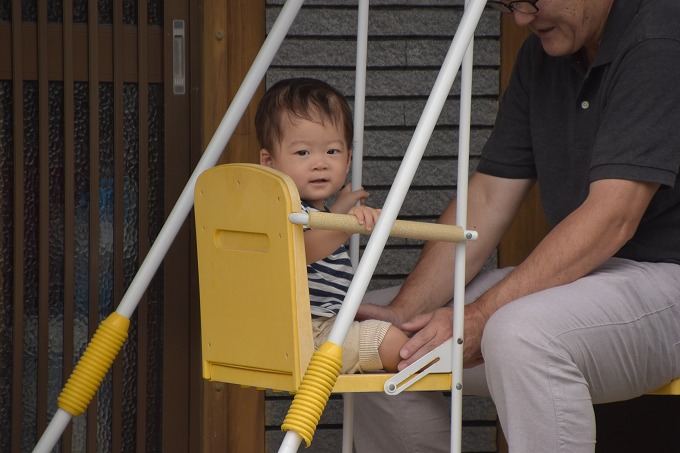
<point>514,335</point>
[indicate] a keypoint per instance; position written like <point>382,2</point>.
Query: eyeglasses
<point>523,6</point>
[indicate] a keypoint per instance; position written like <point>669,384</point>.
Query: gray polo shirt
<point>568,125</point>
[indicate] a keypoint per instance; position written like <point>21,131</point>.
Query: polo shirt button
<point>585,105</point>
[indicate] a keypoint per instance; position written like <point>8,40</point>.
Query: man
<point>592,315</point>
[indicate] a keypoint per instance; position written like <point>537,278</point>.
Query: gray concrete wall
<point>408,40</point>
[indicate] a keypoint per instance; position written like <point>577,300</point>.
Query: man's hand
<point>433,329</point>
<point>387,313</point>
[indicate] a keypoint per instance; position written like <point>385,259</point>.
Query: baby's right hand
<point>347,199</point>
<point>366,216</point>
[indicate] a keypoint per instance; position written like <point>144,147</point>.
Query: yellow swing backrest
<point>255,319</point>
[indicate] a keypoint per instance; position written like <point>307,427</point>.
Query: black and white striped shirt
<point>328,279</point>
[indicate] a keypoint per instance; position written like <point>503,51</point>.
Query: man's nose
<point>523,19</point>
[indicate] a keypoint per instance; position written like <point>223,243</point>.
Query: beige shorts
<point>360,351</point>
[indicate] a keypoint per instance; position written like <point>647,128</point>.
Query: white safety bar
<point>461,220</point>
<point>356,183</point>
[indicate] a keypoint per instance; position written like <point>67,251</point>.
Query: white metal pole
<point>357,172</point>
<point>359,112</point>
<point>459,260</point>
<point>185,201</point>
<point>53,432</point>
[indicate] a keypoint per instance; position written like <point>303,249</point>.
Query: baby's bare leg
<point>389,348</point>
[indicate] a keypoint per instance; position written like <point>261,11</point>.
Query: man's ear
<point>266,158</point>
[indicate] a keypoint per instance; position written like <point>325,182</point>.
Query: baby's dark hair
<point>301,98</point>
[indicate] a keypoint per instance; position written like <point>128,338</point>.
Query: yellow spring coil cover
<point>315,389</point>
<point>94,364</point>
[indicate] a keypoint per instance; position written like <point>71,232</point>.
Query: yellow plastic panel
<point>251,272</point>
<point>349,383</point>
<point>673,388</point>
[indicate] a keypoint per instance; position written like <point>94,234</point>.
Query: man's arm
<point>581,242</point>
<point>492,205</point>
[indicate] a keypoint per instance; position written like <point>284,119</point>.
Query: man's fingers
<point>418,322</point>
<point>418,345</point>
<point>436,329</point>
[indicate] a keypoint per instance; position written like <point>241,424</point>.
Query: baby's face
<point>314,155</point>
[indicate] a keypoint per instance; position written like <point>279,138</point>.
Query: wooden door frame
<point>232,33</point>
<point>181,337</point>
<point>529,226</point>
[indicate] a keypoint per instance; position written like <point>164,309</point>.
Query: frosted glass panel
<point>55,11</point>
<point>130,257</point>
<point>48,252</point>
<point>155,292</point>
<point>81,240</point>
<point>5,10</point>
<point>29,10</point>
<point>30,268</point>
<point>106,265</point>
<point>56,269</point>
<point>6,264</point>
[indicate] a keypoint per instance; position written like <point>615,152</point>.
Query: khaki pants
<point>609,336</point>
<point>360,350</point>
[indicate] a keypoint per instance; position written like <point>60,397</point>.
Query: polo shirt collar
<point>620,18</point>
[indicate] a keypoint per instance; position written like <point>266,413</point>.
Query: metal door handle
<point>178,57</point>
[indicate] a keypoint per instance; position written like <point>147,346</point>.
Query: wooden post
<point>529,226</point>
<point>233,32</point>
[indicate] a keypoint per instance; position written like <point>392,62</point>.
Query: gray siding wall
<point>408,40</point>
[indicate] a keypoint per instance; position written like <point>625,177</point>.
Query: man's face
<point>566,27</point>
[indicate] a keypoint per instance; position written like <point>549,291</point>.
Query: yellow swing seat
<point>255,317</point>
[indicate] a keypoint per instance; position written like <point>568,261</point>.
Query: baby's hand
<point>347,199</point>
<point>366,216</point>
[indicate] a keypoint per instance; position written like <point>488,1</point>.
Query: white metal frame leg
<point>357,169</point>
<point>459,263</point>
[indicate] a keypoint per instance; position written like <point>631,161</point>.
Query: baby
<point>305,129</point>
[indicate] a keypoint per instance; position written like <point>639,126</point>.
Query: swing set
<point>252,271</point>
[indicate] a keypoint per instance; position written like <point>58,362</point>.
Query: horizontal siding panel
<point>407,112</point>
<point>397,261</point>
<point>384,22</point>
<point>398,82</point>
<point>328,438</point>
<point>418,202</point>
<point>277,408</point>
<point>392,53</point>
<point>435,173</point>
<point>474,439</point>
<point>476,408</point>
<point>443,142</point>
